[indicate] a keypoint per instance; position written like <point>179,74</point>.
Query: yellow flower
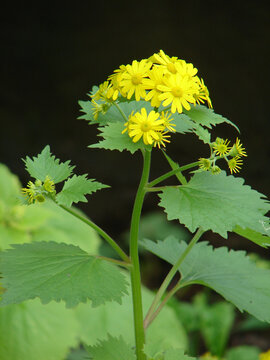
<point>221,147</point>
<point>203,93</point>
<point>30,192</point>
<point>186,69</point>
<point>162,138</point>
<point>133,79</point>
<point>238,149</point>
<point>167,121</point>
<point>235,164</point>
<point>155,78</point>
<point>204,164</point>
<point>102,91</point>
<point>49,185</point>
<point>215,170</point>
<point>99,108</point>
<point>168,63</point>
<point>265,355</point>
<point>115,89</point>
<point>177,91</point>
<point>146,126</point>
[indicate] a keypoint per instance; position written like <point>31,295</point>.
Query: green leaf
<point>111,349</point>
<point>176,354</point>
<point>207,117</point>
<point>31,331</point>
<point>75,188</point>
<point>243,353</point>
<point>203,134</point>
<point>9,187</point>
<point>183,123</point>
<point>53,271</point>
<point>45,164</point>
<point>115,140</point>
<point>215,202</point>
<point>258,238</point>
<point>229,273</point>
<point>113,114</point>
<point>113,313</point>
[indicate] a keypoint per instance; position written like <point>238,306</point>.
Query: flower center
<point>145,126</point>
<point>136,79</point>
<point>177,92</point>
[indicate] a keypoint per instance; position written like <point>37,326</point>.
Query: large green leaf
<point>115,140</point>
<point>31,331</point>
<point>165,332</point>
<point>75,188</point>
<point>57,272</point>
<point>215,202</point>
<point>45,164</point>
<point>207,117</point>
<point>183,123</point>
<point>111,349</point>
<point>230,273</point>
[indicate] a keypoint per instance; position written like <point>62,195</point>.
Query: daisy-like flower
<point>146,126</point>
<point>162,139</point>
<point>167,62</point>
<point>265,355</point>
<point>133,79</point>
<point>235,164</point>
<point>156,75</point>
<point>30,192</point>
<point>185,69</point>
<point>167,121</point>
<point>238,149</point>
<point>221,147</point>
<point>204,164</point>
<point>99,108</point>
<point>178,91</point>
<point>203,94</point>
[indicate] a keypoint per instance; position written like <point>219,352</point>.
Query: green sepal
<point>45,164</point>
<point>53,271</point>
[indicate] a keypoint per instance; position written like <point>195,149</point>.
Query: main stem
<point>134,256</point>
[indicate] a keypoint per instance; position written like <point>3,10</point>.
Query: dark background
<point>53,54</point>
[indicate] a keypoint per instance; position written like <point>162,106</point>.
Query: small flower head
<point>204,164</point>
<point>265,355</point>
<point>237,149</point>
<point>221,147</point>
<point>203,94</point>
<point>162,138</point>
<point>49,185</point>
<point>146,126</point>
<point>167,121</point>
<point>215,169</point>
<point>30,192</point>
<point>102,91</point>
<point>99,108</point>
<point>235,164</point>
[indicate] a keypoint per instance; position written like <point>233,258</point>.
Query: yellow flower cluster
<point>160,79</point>
<point>37,191</point>
<point>221,149</point>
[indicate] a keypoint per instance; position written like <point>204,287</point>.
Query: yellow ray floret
<point>221,146</point>
<point>235,164</point>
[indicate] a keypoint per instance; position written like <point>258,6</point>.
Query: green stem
<point>170,275</point>
<point>172,172</point>
<point>121,112</point>
<point>134,256</point>
<point>118,262</point>
<point>161,305</point>
<point>101,232</point>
